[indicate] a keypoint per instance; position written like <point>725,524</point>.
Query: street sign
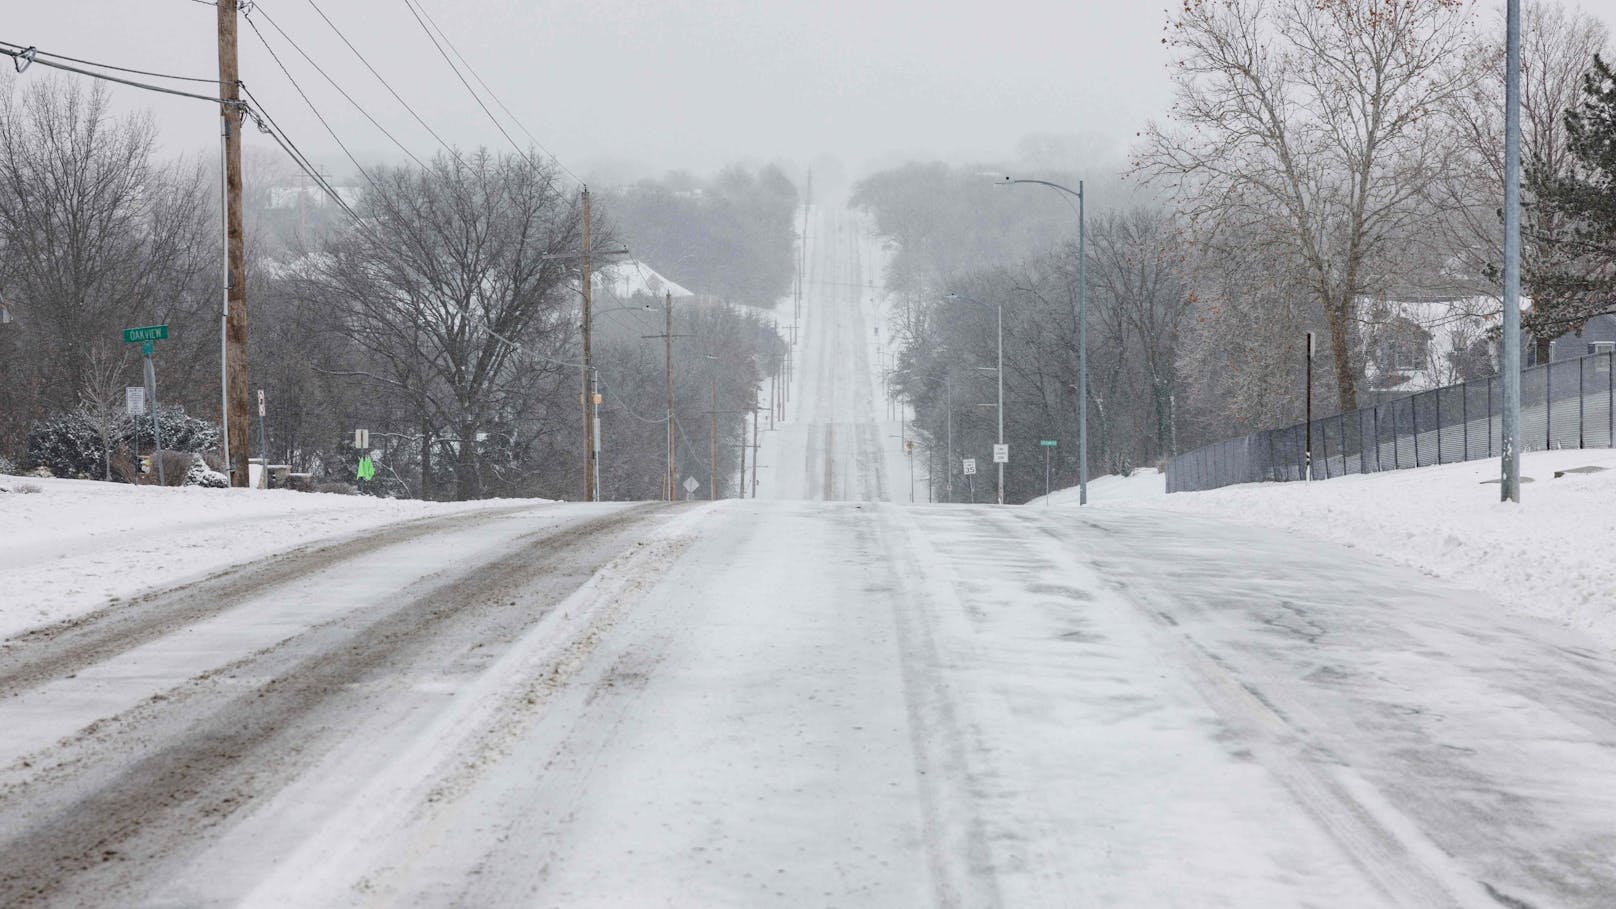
<point>970,467</point>
<point>1001,454</point>
<point>146,333</point>
<point>692,484</point>
<point>134,401</point>
<point>260,402</point>
<point>1047,443</point>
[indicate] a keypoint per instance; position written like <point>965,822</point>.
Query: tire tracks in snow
<point>41,654</point>
<point>1386,845</point>
<point>104,810</point>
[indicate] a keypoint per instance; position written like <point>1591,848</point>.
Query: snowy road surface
<point>827,699</point>
<point>810,704</point>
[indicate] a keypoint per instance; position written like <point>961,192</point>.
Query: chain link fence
<point>1564,404</point>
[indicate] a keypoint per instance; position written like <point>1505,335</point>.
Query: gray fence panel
<point>1534,409</point>
<point>1566,404</point>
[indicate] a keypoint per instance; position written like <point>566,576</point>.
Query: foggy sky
<point>624,88</point>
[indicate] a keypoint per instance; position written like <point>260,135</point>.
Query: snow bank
<point>1552,556</point>
<point>76,544</point>
<point>1146,483</point>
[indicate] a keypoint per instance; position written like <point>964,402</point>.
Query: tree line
<point>1320,162</point>
<point>437,307</point>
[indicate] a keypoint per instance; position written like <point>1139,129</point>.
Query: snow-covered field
<point>1553,556</point>
<point>74,545</point>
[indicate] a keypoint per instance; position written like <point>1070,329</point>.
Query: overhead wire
<point>109,66</point>
<point>385,84</point>
<point>296,86</point>
<point>486,87</point>
<point>321,70</point>
<point>33,54</point>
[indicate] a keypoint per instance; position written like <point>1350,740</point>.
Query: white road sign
<point>134,400</point>
<point>692,484</point>
<point>260,402</point>
<point>361,439</point>
<point>970,467</point>
<point>1001,454</point>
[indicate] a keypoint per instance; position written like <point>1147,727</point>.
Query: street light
<point>1082,336</point>
<point>1000,371</point>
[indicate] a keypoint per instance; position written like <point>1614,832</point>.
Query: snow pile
<point>78,544</point>
<point>1145,483</point>
<point>1550,557</point>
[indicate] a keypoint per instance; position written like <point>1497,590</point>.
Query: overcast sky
<point>632,87</point>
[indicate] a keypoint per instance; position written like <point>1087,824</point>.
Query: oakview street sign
<point>147,333</point>
<point>1047,443</point>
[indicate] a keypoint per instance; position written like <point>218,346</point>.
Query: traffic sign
<point>1047,443</point>
<point>145,333</point>
<point>134,400</point>
<point>361,438</point>
<point>1001,454</point>
<point>970,467</point>
<point>260,402</point>
<point>692,484</point>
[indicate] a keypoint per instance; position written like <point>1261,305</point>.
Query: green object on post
<point>1047,443</point>
<point>367,470</point>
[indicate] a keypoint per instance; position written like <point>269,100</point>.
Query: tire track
<point>49,652</point>
<point>82,831</point>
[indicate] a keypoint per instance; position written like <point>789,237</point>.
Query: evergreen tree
<point>1575,277</point>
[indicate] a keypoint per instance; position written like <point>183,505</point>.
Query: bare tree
<point>95,236</point>
<point>457,285</point>
<point>1303,124</point>
<point>1140,269</point>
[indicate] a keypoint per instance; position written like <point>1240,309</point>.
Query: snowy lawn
<point>75,545</point>
<point>1552,556</point>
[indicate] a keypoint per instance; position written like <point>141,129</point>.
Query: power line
<point>319,69</point>
<point>32,55</point>
<point>119,69</point>
<point>478,98</point>
<point>304,163</point>
<point>514,119</point>
<point>385,84</point>
<point>314,110</point>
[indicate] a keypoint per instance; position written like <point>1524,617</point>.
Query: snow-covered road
<point>811,704</point>
<point>827,698</point>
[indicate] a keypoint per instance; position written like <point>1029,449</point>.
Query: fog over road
<point>822,697</point>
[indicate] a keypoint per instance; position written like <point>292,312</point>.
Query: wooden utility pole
<point>754,451</point>
<point>588,397</point>
<point>740,487</point>
<point>234,406</point>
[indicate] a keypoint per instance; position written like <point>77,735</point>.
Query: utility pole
<point>668,335</point>
<point>712,447</point>
<point>740,485</point>
<point>1510,368</point>
<point>234,404</point>
<point>587,283</point>
<point>754,451</point>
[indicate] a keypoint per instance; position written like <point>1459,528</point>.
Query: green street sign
<point>147,348</point>
<point>148,333</point>
<point>1047,443</point>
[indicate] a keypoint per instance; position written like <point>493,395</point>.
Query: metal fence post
<point>1490,416</point>
<point>1548,408</point>
<point>1610,394</point>
<point>1582,421</point>
<point>1464,414</point>
<point>1414,420</point>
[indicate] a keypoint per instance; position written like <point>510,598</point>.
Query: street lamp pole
<point>1082,334</point>
<point>1510,368</point>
